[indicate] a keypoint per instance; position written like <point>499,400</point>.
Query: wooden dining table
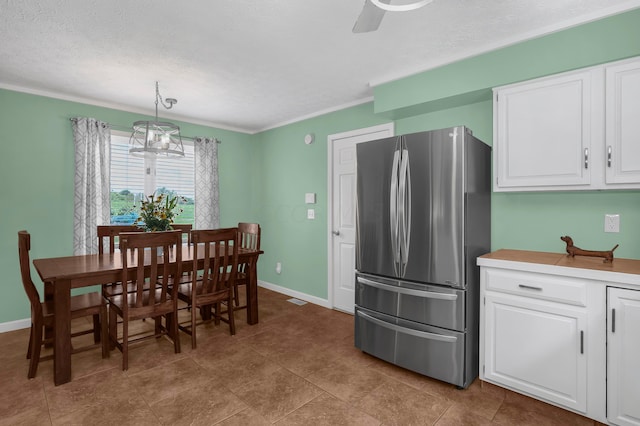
<point>61,274</point>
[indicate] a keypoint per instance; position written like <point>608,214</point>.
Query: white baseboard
<point>15,325</point>
<point>293,293</point>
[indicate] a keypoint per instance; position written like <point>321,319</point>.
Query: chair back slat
<point>185,228</point>
<point>154,249</point>
<point>140,276</point>
<point>24,245</point>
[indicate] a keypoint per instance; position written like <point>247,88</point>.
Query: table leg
<point>252,292</point>
<point>205,312</point>
<point>48,297</point>
<point>62,332</point>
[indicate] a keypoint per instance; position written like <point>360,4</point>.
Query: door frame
<point>387,127</point>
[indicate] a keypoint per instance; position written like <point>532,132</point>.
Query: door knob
<point>336,233</point>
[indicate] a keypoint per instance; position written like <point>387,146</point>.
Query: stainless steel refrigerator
<point>423,217</point>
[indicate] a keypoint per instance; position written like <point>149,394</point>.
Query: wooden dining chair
<point>185,228</point>
<point>213,284</point>
<point>108,236</point>
<point>249,235</point>
<point>42,313</point>
<point>108,241</point>
<point>148,254</point>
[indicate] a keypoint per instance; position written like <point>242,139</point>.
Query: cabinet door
<point>623,137</point>
<point>543,132</point>
<point>623,347</point>
<point>537,348</point>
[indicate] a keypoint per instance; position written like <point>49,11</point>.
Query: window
<point>133,177</point>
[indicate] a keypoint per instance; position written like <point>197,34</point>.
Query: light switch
<point>311,214</point>
<point>310,198</point>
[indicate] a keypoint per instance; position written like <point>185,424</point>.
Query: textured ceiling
<point>251,65</point>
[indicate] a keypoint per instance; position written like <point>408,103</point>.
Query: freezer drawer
<point>434,305</point>
<point>427,350</point>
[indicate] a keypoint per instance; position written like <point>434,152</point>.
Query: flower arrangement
<point>157,213</point>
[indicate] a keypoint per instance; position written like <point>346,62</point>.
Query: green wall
<point>264,177</point>
<point>291,169</point>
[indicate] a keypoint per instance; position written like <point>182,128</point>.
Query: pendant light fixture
<point>157,137</point>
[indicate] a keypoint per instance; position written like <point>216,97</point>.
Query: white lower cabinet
<point>535,327</point>
<point>563,333</point>
<point>623,356</point>
<point>537,347</point>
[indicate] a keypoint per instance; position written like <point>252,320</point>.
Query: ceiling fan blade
<point>369,19</point>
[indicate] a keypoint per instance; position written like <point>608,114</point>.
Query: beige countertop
<point>622,266</point>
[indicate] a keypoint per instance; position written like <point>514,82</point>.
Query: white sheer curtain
<point>92,139</point>
<point>207,191</point>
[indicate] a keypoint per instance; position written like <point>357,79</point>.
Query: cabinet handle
<point>613,320</point>
<point>586,158</point>
<point>530,287</point>
<point>582,341</point>
<point>609,156</point>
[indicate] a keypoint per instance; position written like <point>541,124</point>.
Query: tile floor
<point>298,366</point>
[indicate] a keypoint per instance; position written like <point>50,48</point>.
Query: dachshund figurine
<point>573,250</point>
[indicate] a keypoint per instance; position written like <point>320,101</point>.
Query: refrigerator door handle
<point>393,210</point>
<point>409,331</point>
<point>404,204</point>
<point>409,291</point>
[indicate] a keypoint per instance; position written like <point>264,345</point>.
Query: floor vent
<point>297,302</point>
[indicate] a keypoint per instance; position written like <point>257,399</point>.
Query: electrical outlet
<point>611,223</point>
<point>311,214</point>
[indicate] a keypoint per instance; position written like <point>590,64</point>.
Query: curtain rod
<point>129,129</point>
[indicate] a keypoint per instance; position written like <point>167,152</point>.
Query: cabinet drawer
<point>433,351</point>
<point>540,286</point>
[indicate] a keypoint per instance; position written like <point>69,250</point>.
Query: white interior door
<point>342,212</point>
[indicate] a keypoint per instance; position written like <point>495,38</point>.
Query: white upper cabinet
<point>569,131</point>
<point>543,133</point>
<point>623,115</point>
